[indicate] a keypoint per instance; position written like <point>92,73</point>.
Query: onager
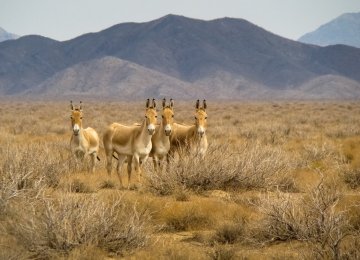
<point>161,138</point>
<point>83,142</point>
<point>190,138</point>
<point>130,142</point>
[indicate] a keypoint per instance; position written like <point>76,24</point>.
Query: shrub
<point>312,219</point>
<point>222,253</point>
<point>352,178</point>
<point>185,218</point>
<point>253,167</point>
<point>32,166</point>
<point>107,184</point>
<point>78,186</point>
<point>182,195</point>
<point>229,233</point>
<point>27,171</point>
<point>63,224</point>
<point>316,153</point>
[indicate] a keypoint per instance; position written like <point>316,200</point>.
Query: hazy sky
<point>66,19</point>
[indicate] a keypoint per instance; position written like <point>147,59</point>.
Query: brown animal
<point>190,138</point>
<point>161,138</point>
<point>83,142</point>
<point>130,142</point>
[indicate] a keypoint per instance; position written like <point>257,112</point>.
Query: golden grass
<point>272,172</point>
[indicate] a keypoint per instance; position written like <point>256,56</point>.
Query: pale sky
<point>67,19</point>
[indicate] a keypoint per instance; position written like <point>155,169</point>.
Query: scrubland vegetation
<point>280,181</point>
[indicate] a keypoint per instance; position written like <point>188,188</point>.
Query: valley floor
<point>280,181</point>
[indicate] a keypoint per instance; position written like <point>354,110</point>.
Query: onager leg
<point>109,157</point>
<point>161,162</point>
<point>92,163</point>
<point>156,162</point>
<point>129,169</point>
<point>137,166</point>
<point>121,159</point>
<point>169,157</point>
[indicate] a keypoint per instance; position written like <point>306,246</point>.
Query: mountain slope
<point>110,77</point>
<point>226,57</point>
<point>4,35</point>
<point>345,29</point>
<point>192,49</point>
<point>329,87</point>
<point>28,61</point>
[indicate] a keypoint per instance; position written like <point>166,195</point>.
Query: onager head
<point>200,118</point>
<point>168,116</point>
<point>150,116</point>
<point>76,118</point>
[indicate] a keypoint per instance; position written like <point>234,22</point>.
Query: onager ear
<point>171,103</point>
<point>204,104</point>
<point>71,105</point>
<point>197,104</point>
<point>153,103</point>
<point>147,103</point>
<point>80,107</point>
<point>164,102</point>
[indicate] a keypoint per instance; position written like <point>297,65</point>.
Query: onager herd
<point>135,143</point>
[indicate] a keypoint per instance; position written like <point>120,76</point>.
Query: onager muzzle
<point>201,131</point>
<point>151,129</point>
<point>167,130</point>
<point>76,129</point>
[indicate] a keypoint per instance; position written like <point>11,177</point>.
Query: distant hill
<point>345,29</point>
<point>28,61</point>
<point>175,56</point>
<point>4,35</point>
<point>109,76</point>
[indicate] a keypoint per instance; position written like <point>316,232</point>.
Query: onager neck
<point>144,134</point>
<point>193,134</point>
<point>79,138</point>
<point>160,134</point>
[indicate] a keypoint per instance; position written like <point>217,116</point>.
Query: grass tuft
<point>78,186</point>
<point>69,222</point>
<point>107,184</point>
<point>352,178</point>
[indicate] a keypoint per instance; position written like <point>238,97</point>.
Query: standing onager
<point>190,137</point>
<point>161,138</point>
<point>83,141</point>
<point>131,142</point>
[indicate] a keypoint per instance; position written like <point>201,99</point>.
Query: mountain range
<point>180,57</point>
<point>4,35</point>
<point>344,29</point>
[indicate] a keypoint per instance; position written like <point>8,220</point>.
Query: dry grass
<point>280,180</point>
<point>67,222</point>
<point>251,166</point>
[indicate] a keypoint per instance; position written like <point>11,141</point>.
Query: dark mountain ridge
<point>187,49</point>
<point>27,61</point>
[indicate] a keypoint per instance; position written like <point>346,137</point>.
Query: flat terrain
<point>280,181</point>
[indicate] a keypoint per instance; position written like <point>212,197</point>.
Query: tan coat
<point>132,142</point>
<point>161,138</point>
<point>190,138</point>
<point>83,142</point>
